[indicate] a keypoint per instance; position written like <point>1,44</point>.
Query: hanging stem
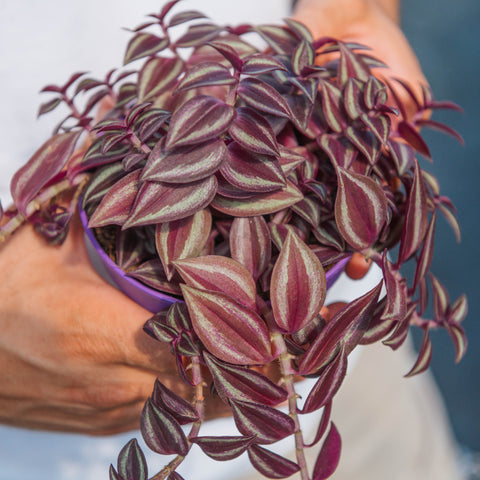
<point>35,205</point>
<point>288,379</point>
<point>199,403</point>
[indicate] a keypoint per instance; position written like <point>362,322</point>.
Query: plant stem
<point>138,143</point>
<point>287,376</point>
<point>35,205</point>
<point>199,405</point>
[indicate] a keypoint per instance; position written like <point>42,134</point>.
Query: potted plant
<point>231,185</point>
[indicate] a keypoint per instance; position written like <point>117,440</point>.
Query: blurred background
<point>446,39</point>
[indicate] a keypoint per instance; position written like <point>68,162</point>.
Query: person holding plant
<point>74,354</point>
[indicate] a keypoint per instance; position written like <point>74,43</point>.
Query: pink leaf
<point>253,132</point>
<point>199,119</point>
<point>231,331</point>
<point>260,204</point>
<point>416,217</point>
<point>270,464</point>
<point>44,165</point>
<point>409,134</point>
<point>181,239</point>
<point>184,164</point>
<point>219,274</point>
<point>329,456</point>
<point>298,285</point>
<point>157,75</point>
<point>117,202</point>
<point>360,209</point>
<point>250,244</point>
<point>157,203</point>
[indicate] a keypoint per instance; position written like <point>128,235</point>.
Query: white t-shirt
<point>44,42</point>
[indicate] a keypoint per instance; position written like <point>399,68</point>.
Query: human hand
<point>373,23</point>
<point>73,353</point>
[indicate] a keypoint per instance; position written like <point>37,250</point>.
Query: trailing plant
<point>233,177</point>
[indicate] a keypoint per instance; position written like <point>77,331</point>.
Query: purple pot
<point>147,297</point>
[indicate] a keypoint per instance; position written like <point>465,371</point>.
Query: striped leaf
<point>360,209</point>
<point>270,464</point>
<point>131,463</point>
<point>263,97</point>
<point>182,239</point>
<point>259,63</point>
<point>229,330</point>
<point>260,204</point>
<point>144,45</point>
<point>219,274</point>
<point>253,132</point>
<point>416,217</point>
<point>459,339</point>
<point>298,272</point>
<point>44,165</point>
<point>332,106</point>
<point>223,448</point>
<point>157,76</point>
<point>198,34</point>
<point>184,164</point>
<point>250,244</point>
<point>424,356</point>
<point>351,66</point>
<point>426,255</point>
<point>252,172</point>
<point>116,205</point>
<point>206,74</point>
<point>199,119</point>
<point>158,203</point>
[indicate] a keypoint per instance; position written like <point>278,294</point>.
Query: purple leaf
<point>219,274</point>
<point>151,273</point>
<point>375,92</point>
<point>180,409</point>
<point>347,327</point>
<point>101,182</point>
<point>223,448</point>
<point>144,45</point>
<point>250,244</point>
<point>451,219</point>
<point>378,125</point>
<point>426,255</point>
<point>457,334</point>
<point>181,239</point>
<point>298,272</point>
<point>231,331</point>
<point>339,150</point>
<point>253,132</point>
<point>365,141</point>
<point>424,356</point>
<point>199,119</point>
<point>416,217</point>
<point>303,56</point>
<point>161,432</point>
<point>332,106</point>
<point>198,34</point>
<point>263,97</point>
<point>241,383</point>
<point>278,38</point>
<point>441,300</point>
<point>360,209</point>
<point>270,464</point>
<point>252,172</point>
<point>260,204</point>
<point>258,64</point>
<point>322,426</point>
<point>329,456</point>
<point>149,122</point>
<point>184,164</point>
<point>165,10</point>
<point>157,76</point>
<point>116,205</point>
<point>186,16</point>
<point>131,463</point>
<point>229,53</point>
<point>49,106</point>
<point>158,203</point>
<point>351,66</point>
<point>266,423</point>
<point>44,165</point>
<point>327,384</point>
<point>409,134</point>
<point>403,156</point>
<point>299,29</point>
<point>353,91</point>
<point>397,295</point>
<point>441,127</point>
<point>205,75</point>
